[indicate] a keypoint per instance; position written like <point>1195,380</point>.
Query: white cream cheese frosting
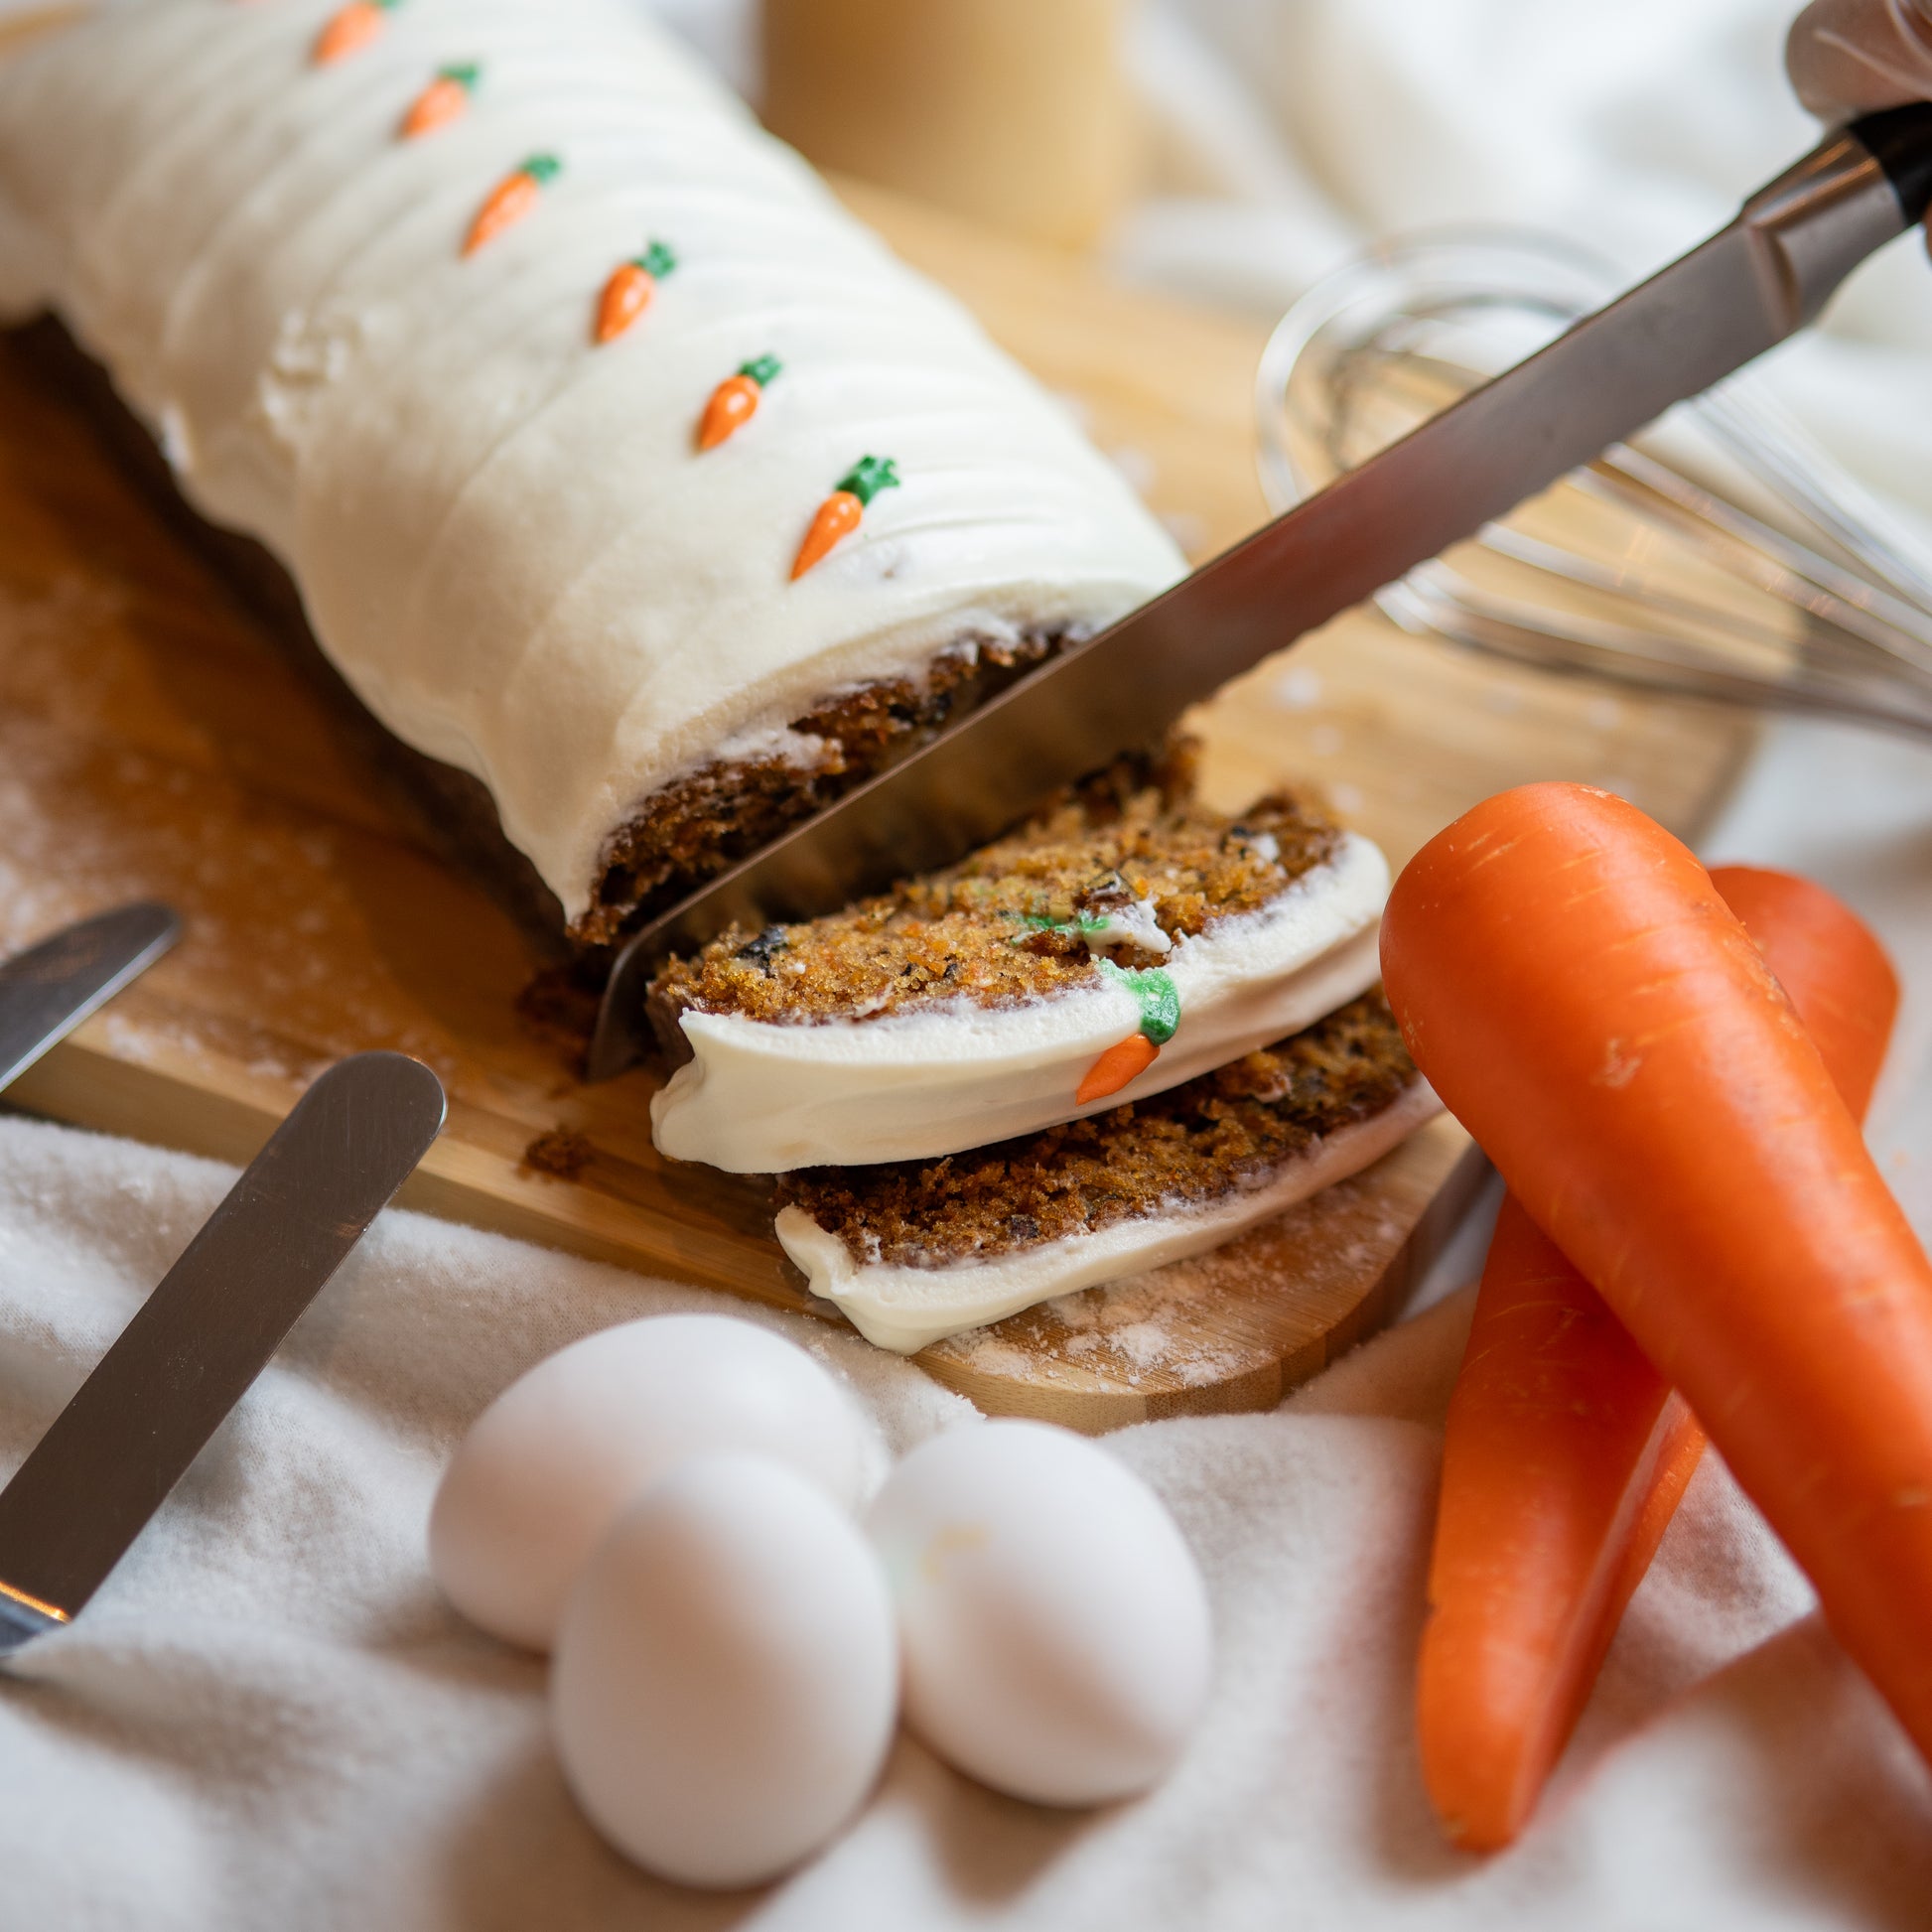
<point>504,535</point>
<point>763,1098</point>
<point>904,1307</point>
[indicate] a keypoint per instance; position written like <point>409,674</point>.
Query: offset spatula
<point>1747,288</point>
<point>47,990</point>
<point>202,1337</point>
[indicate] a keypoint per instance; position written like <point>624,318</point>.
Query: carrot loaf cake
<point>616,465</point>
<point>915,1251</point>
<point>1124,941</point>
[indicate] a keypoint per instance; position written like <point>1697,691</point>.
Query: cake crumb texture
<point>1005,926</point>
<point>1220,1134</point>
<point>696,826</point>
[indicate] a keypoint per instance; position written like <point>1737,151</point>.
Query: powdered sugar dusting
<point>118,780</point>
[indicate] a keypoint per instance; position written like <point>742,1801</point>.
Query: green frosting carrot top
<point>1158,995</point>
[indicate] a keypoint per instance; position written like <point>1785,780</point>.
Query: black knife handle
<point>1899,140</point>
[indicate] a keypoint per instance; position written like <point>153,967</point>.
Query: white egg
<point>1053,1620</point>
<point>726,1677</point>
<point>547,1466</point>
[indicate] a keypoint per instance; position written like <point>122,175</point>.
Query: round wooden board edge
<point>1064,1393</point>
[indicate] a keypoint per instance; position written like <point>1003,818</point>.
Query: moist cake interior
<point>1005,926</point>
<point>1218,1134</point>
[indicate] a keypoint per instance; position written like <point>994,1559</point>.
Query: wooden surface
<point>153,742</point>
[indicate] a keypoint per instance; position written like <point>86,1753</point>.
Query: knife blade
<point>1746,288</point>
<point>47,990</point>
<point>191,1349</point>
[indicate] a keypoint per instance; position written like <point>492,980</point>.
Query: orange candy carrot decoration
<point>838,516</point>
<point>627,295</point>
<point>1570,982</point>
<point>1566,1453</point>
<point>1129,1058</point>
<point>350,29</point>
<point>735,400</point>
<point>1119,1064</point>
<point>445,100</point>
<point>512,200</point>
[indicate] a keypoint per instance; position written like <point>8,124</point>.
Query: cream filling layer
<point>759,1098</point>
<point>904,1309</point>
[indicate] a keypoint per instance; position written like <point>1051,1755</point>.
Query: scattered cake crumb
<point>560,1153</point>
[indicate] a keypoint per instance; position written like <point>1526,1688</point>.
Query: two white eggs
<point>673,1508</point>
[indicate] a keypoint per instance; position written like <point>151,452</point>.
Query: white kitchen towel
<point>267,1718</point>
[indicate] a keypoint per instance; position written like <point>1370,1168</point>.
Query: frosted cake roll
<point>916,1251</point>
<point>616,465</point>
<point>1120,943</point>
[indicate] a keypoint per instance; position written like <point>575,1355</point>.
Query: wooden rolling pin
<point>1014,112</point>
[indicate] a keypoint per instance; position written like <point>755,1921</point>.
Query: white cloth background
<point>267,1717</point>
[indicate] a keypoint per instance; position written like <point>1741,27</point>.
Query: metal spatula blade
<point>47,990</point>
<point>193,1349</point>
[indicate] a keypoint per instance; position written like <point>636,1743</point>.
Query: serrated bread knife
<point>1748,287</point>
<point>111,1455</point>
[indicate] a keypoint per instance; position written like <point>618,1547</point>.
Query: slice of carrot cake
<point>1119,944</point>
<point>912,1251</point>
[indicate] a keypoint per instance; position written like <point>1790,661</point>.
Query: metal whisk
<point>1721,555</point>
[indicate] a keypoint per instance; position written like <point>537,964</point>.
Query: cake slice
<point>912,1251</point>
<point>1120,943</point>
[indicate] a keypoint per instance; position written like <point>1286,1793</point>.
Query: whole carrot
<point>350,29</point>
<point>1565,1453</point>
<point>512,200</point>
<point>628,293</point>
<point>444,100</point>
<point>838,515</point>
<point>1570,982</point>
<point>735,400</point>
<point>1831,964</point>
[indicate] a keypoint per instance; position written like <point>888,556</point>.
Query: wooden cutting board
<point>153,742</point>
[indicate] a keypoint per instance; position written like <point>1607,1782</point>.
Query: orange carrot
<point>1120,1064</point>
<point>838,516</point>
<point>1569,980</point>
<point>735,400</point>
<point>444,100</point>
<point>1558,1434</point>
<point>512,200</point>
<point>350,29</point>
<point>1566,1453</point>
<point>1830,963</point>
<point>627,295</point>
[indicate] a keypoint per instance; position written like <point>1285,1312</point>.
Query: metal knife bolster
<point>1819,219</point>
<point>1736,295</point>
